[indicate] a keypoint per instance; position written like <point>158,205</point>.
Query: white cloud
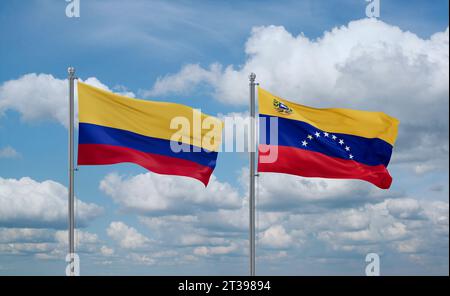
<point>215,251</point>
<point>85,242</point>
<point>106,251</point>
<point>25,235</point>
<point>186,80</point>
<point>126,236</point>
<point>438,213</point>
<point>395,223</point>
<point>352,219</point>
<point>292,193</point>
<point>39,97</point>
<point>273,256</point>
<point>409,246</point>
<point>45,243</point>
<point>402,228</point>
<point>405,208</point>
<point>275,237</point>
<point>62,237</point>
<point>36,97</point>
<point>29,203</point>
<point>323,218</point>
<point>164,257</point>
<point>8,152</point>
<point>142,259</point>
<point>26,248</point>
<point>152,193</point>
<point>318,71</point>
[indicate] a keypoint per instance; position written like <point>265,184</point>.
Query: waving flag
<point>115,129</point>
<point>328,143</point>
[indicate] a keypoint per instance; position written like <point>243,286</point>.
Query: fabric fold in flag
<point>327,143</point>
<point>117,129</point>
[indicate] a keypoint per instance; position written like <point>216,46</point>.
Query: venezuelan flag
<point>327,143</point>
<point>115,129</point>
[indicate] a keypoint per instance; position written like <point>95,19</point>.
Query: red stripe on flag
<point>98,154</point>
<point>306,163</point>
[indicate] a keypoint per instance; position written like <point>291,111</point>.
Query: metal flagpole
<point>252,149</point>
<point>71,72</point>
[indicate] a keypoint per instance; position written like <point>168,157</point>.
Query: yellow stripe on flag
<point>335,120</point>
<point>148,118</point>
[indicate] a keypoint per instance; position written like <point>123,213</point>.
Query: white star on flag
<point>326,134</point>
<point>317,134</point>
<point>333,137</point>
<point>341,142</point>
<point>304,143</point>
<point>310,137</point>
<point>351,156</point>
<point>347,148</point>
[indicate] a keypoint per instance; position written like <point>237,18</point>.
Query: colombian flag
<point>115,129</point>
<point>327,143</point>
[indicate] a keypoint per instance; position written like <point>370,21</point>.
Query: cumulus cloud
<point>127,237</point>
<point>389,226</point>
<point>157,194</point>
<point>106,251</point>
<point>306,218</point>
<point>25,235</point>
<point>141,258</point>
<point>367,65</point>
<point>62,237</point>
<point>212,251</point>
<point>85,242</point>
<point>27,248</point>
<point>39,97</point>
<point>8,152</point>
<point>36,97</point>
<point>186,80</point>
<point>322,71</point>
<point>406,208</point>
<point>275,237</point>
<point>45,243</point>
<point>405,228</point>
<point>292,193</point>
<point>29,203</point>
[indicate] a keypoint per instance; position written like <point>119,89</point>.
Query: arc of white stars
<point>327,135</point>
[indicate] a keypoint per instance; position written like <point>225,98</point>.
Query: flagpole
<point>252,152</point>
<point>71,72</point>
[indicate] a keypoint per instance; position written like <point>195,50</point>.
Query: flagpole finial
<point>252,77</point>
<point>71,71</point>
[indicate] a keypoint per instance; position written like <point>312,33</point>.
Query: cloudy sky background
<point>319,53</point>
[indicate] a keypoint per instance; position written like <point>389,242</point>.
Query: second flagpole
<point>252,148</point>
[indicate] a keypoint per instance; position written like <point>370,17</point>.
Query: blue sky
<point>164,51</point>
